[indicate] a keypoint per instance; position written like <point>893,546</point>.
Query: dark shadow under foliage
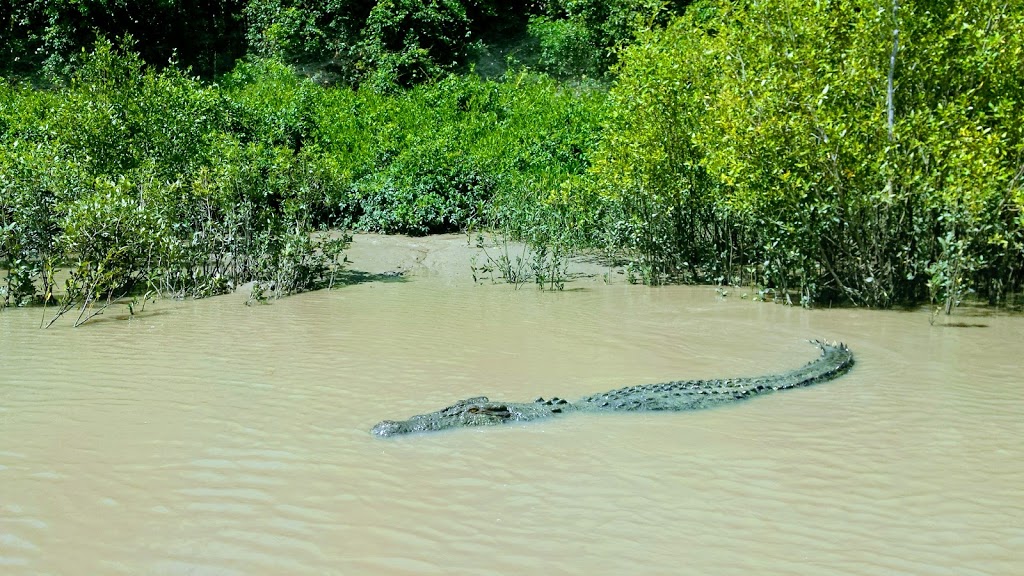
<point>387,44</point>
<point>206,36</point>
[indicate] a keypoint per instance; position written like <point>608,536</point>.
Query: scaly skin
<point>835,360</point>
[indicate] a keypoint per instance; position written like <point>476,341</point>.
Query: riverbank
<point>462,258</point>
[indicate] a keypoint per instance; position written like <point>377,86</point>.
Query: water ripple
<point>223,440</point>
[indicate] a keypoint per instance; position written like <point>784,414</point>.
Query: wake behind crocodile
<point>834,361</point>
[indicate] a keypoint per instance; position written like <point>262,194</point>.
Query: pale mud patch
<point>452,257</point>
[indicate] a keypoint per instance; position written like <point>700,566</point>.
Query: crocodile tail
<point>835,360</point>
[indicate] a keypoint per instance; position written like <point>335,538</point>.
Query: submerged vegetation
<point>853,152</point>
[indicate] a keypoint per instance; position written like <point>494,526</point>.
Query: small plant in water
<point>512,268</point>
<point>550,267</point>
<point>546,265</point>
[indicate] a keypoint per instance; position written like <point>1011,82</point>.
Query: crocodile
<point>834,361</point>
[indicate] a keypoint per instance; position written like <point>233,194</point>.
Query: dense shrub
<point>826,152</point>
<point>51,34</point>
<point>134,179</point>
<point>409,41</point>
<point>459,151</point>
<point>302,30</point>
<point>757,136</point>
<point>566,47</point>
<point>387,43</point>
<point>583,37</point>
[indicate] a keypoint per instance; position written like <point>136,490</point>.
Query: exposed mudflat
<point>452,257</point>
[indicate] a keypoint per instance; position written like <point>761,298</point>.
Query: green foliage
<point>460,151</point>
<point>321,37</point>
<point>206,36</point>
<point>431,187</point>
<point>668,212</point>
<point>566,47</point>
<point>131,179</point>
<point>741,142</point>
<point>300,30</point>
<point>386,43</point>
<point>270,103</point>
<point>27,220</point>
<point>409,41</point>
<point>755,136</point>
<point>582,37</point>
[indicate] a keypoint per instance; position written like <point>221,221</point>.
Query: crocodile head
<point>479,411</point>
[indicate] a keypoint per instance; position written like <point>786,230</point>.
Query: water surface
<point>215,438</point>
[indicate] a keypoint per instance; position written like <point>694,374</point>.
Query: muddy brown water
<point>211,438</point>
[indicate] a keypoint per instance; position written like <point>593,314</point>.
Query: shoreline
<point>453,257</point>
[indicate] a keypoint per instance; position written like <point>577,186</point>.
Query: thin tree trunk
<point>892,69</point>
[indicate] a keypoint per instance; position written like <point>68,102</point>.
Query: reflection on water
<point>216,438</point>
